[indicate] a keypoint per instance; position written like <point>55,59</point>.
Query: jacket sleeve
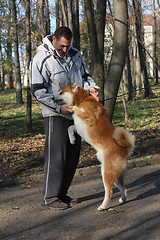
<point>38,85</point>
<point>88,82</point>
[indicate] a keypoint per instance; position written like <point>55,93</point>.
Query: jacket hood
<point>47,44</point>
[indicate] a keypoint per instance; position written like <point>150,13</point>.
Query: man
<point>55,65</point>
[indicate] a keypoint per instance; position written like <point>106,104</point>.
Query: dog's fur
<point>113,145</point>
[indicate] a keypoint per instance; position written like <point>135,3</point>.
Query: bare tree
<point>64,12</point>
<point>43,19</point>
<point>16,55</point>
<point>118,55</point>
<point>1,71</point>
<point>129,74</point>
<point>137,73</point>
<point>155,68</point>
<point>141,48</point>
<point>40,19</point>
<point>9,71</point>
<point>123,97</point>
<point>28,59</point>
<point>69,11</point>
<point>67,14</point>
<point>75,23</point>
<point>47,17</point>
<point>96,25</point>
<point>57,13</point>
<point>2,54</point>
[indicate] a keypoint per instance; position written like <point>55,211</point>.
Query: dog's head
<point>67,93</point>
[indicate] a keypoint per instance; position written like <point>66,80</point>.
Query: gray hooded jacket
<point>49,72</point>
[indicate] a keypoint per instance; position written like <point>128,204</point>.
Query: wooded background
<point>25,23</point>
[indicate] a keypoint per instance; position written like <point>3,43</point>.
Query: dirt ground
<point>24,156</point>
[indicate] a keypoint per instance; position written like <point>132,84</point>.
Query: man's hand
<point>94,93</point>
<point>65,109</point>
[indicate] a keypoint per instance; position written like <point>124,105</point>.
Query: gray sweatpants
<point>61,158</point>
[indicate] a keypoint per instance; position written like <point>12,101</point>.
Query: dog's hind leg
<point>108,182</point>
<point>120,185</point>
<point>71,131</point>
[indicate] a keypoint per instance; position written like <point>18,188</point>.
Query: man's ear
<point>74,87</point>
<point>53,39</point>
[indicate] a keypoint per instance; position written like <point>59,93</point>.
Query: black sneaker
<point>56,205</point>
<point>68,200</point>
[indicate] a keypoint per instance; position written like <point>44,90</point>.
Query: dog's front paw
<point>71,135</point>
<point>72,140</point>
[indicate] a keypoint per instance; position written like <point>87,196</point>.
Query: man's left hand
<point>94,93</point>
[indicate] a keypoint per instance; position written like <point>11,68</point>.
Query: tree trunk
<point>91,31</point>
<point>118,55</point>
<point>155,68</point>
<point>47,25</point>
<point>1,66</point>
<point>141,48</point>
<point>41,19</point>
<point>69,11</point>
<point>75,24</point>
<point>57,13</point>
<point>129,76</point>
<point>9,70</point>
<point>28,59</point>
<point>100,21</point>
<point>96,26</point>
<point>138,74</point>
<point>64,12</point>
<point>123,98</point>
<point>16,55</point>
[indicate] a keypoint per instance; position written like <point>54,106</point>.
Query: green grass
<point>143,114</point>
<point>13,116</point>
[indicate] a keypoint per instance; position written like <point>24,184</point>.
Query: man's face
<point>61,45</point>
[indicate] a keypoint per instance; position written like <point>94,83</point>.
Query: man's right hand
<point>65,109</point>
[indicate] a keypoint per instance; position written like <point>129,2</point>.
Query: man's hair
<point>63,32</point>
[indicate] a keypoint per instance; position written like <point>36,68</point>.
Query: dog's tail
<point>124,138</point>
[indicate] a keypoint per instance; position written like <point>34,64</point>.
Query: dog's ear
<point>74,87</point>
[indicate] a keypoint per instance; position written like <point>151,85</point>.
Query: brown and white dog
<point>113,145</point>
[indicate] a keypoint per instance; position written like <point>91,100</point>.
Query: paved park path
<point>21,215</point>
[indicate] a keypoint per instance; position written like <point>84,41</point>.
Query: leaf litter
<point>25,156</point>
